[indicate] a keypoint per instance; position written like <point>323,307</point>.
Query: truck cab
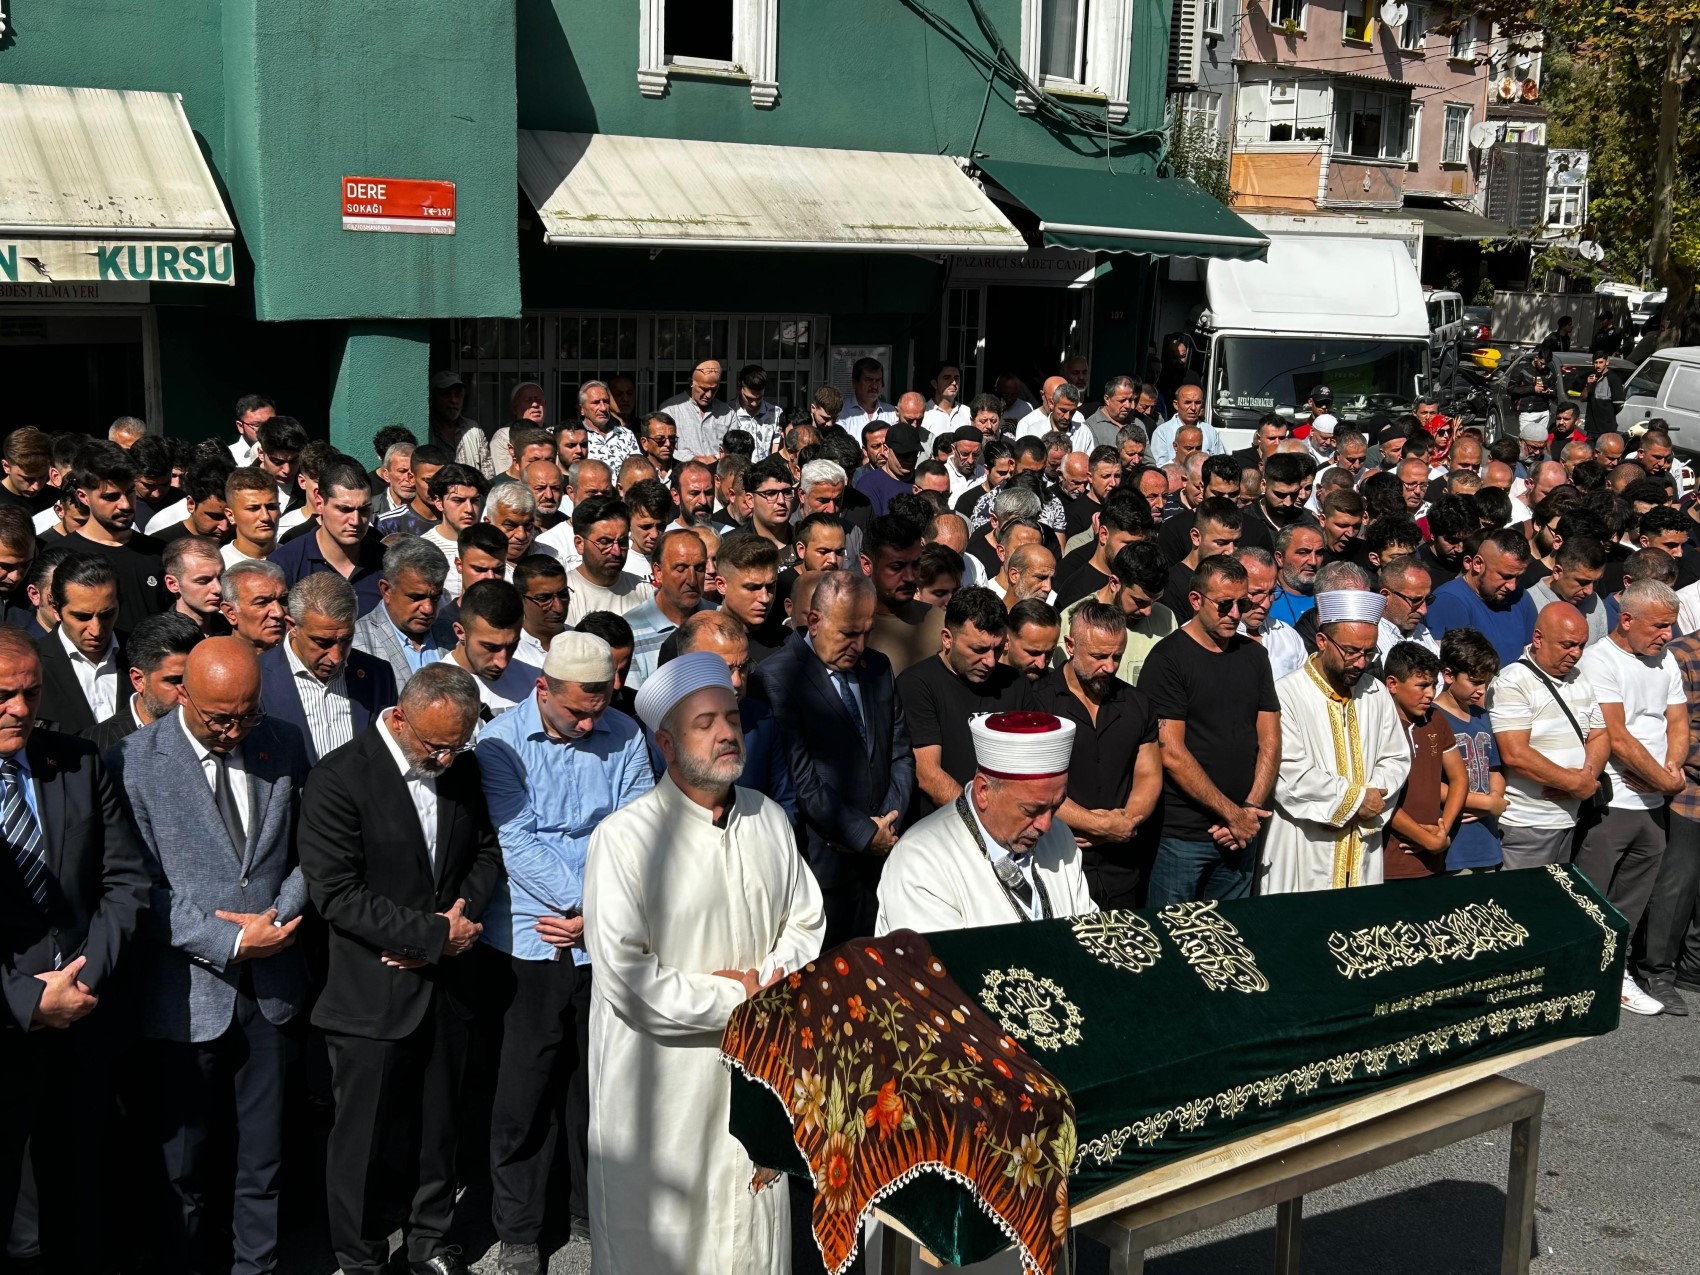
<point>1344,312</point>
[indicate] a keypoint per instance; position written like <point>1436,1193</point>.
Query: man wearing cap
<point>896,471</point>
<point>554,767</point>
<point>1320,439</point>
<point>999,853</point>
<point>1344,756</point>
<point>695,898</point>
<point>962,462</point>
<point>454,429</point>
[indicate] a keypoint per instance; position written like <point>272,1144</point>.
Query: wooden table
<point>1281,1166</point>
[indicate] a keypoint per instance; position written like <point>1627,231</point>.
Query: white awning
<point>657,192</point>
<point>106,185</point>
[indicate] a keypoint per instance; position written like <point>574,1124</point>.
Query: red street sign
<point>402,205</point>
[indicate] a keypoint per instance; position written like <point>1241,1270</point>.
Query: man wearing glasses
<point>1219,728</point>
<point>770,483</point>
<point>602,535</point>
<point>1344,755</point>
<point>1408,588</point>
<point>216,992</point>
<point>400,859</point>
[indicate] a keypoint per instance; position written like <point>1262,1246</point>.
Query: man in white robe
<point>998,854</point>
<point>1344,757</point>
<point>695,899</point>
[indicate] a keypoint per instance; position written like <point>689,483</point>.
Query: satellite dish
<point>1508,88</point>
<point>1530,90</point>
<point>1393,14</point>
<point>1591,250</point>
<point>1483,136</point>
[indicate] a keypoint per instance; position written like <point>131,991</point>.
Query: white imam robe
<point>668,899</point>
<point>937,879</point>
<point>1332,749</point>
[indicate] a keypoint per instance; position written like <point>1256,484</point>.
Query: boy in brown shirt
<point>1433,797</point>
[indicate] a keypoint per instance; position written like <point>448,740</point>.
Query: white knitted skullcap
<point>1021,745</point>
<point>1323,423</point>
<point>677,680</point>
<point>579,657</point>
<point>1349,606</point>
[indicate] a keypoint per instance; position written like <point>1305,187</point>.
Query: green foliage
<point>1201,153</point>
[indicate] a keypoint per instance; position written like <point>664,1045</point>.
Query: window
<point>1287,13</point>
<point>1647,380</point>
<point>1463,46</point>
<point>1567,207</point>
<point>1213,17</point>
<point>1413,31</point>
<point>1197,112</point>
<point>726,39</point>
<point>1684,391</point>
<point>1369,125</point>
<point>1283,114</point>
<point>1413,135</point>
<point>1358,20</point>
<point>1062,45</point>
<point>1455,141</point>
<point>1077,46</point>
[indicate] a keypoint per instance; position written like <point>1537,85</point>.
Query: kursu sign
<point>398,205</point>
<point>52,261</point>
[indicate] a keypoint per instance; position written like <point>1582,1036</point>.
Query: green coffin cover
<point>1178,1029</point>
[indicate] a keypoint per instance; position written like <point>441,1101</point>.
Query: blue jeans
<point>1188,871</point>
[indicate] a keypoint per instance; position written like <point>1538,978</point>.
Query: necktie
<point>22,832</point>
<point>225,799</point>
<point>842,682</point>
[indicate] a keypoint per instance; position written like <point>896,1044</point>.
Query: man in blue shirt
<point>554,767</point>
<point>1298,557</point>
<point>1486,597</point>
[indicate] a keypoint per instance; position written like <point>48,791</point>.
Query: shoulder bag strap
<point>1553,691</point>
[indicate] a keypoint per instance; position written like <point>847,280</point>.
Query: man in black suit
<point>82,660</point>
<point>155,655</point>
<point>72,891</point>
<point>400,857</point>
<point>314,679</point>
<point>848,744</point>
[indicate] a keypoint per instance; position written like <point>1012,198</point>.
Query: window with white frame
<point>1369,125</point>
<point>1414,134</point>
<point>1200,111</point>
<point>1463,43</point>
<point>1213,17</point>
<point>1413,31</point>
<point>1287,12</point>
<point>1283,113</point>
<point>1567,207</point>
<point>1455,141</point>
<point>1076,46</point>
<point>733,39</point>
<point>1357,22</point>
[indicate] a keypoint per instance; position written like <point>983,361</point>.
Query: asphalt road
<point>1620,1156</point>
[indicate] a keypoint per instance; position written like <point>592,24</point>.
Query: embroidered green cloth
<point>1179,1029</point>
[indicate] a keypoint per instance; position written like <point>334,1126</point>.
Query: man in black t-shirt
<point>101,481</point>
<point>1115,774</point>
<point>1220,727</point>
<point>1124,518</point>
<point>942,692</point>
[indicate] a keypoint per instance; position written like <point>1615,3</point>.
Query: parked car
<point>1478,328</point>
<point>1502,414</point>
<point>1667,385</point>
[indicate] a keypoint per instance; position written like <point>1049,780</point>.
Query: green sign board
<point>29,261</point>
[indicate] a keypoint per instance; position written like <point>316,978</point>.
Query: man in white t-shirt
<point>1646,716</point>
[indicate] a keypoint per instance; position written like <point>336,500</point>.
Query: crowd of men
<point>526,756</point>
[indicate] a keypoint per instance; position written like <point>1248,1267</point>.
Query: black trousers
<point>58,1103</point>
<point>212,1098</point>
<point>391,1155</point>
<point>1671,934</point>
<point>545,1060</point>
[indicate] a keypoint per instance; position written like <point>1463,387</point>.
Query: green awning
<point>1102,211</point>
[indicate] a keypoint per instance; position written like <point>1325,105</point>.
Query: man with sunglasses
<point>1344,756</point>
<point>1408,589</point>
<point>400,859</point>
<point>216,993</point>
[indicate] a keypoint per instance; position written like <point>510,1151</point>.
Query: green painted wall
<point>861,76</point>
<point>378,88</point>
<point>381,380</point>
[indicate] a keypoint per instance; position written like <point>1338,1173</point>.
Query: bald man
<point>212,786</point>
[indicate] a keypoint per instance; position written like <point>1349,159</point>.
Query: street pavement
<point>1620,1156</point>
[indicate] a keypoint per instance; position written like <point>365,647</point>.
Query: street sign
<point>399,205</point>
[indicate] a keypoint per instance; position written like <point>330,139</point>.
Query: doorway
<point>1027,331</point>
<point>72,372</point>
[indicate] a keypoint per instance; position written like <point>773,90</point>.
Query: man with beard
<point>543,479</point>
<point>1121,397</point>
<point>1116,774</point>
<point>1298,556</point>
<point>695,898</point>
<point>1486,597</point>
<point>1404,583</point>
<point>1451,519</point>
<point>906,631</point>
<point>553,767</point>
<point>1034,631</point>
<point>940,695</point>
<point>1282,503</point>
<point>1000,852</point>
<point>1344,756</point>
<point>1137,578</point>
<point>102,482</point>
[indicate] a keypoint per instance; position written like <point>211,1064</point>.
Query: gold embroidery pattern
<point>1343,725</point>
<point>1121,939</point>
<point>1031,1008</point>
<point>1609,949</point>
<point>1307,1079</point>
<point>1460,935</point>
<point>1213,947</point>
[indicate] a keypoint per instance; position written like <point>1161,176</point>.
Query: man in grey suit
<point>212,788</point>
<point>404,627</point>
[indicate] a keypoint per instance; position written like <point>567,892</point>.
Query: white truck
<point>1341,310</point>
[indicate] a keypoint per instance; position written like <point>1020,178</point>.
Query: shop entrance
<point>1017,314</point>
<point>73,371</point>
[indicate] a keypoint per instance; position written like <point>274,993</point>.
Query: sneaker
<point>1637,1001</point>
<point>1666,994</point>
<point>519,1259</point>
